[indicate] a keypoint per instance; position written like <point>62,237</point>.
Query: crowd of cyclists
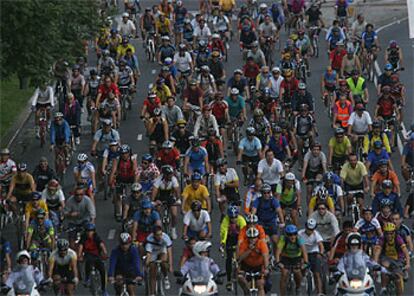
<point>196,115</point>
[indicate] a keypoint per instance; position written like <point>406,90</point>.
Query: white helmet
<point>201,246</point>
<point>215,35</point>
<point>125,14</point>
<point>263,6</point>
<point>23,253</point>
<point>290,177</point>
<point>234,91</point>
<point>311,224</point>
<point>82,157</point>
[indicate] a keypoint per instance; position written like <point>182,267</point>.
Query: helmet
<point>386,89</point>
<point>393,44</point>
<point>201,246</point>
<point>195,177</point>
<point>386,184</point>
<point>323,193</point>
<point>311,224</point>
<point>22,253</point>
<point>206,107</point>
<point>122,62</point>
<point>165,69</point>
<point>215,35</point>
<point>181,122</point>
<point>266,91</point>
<point>316,144</point>
<point>252,232</point>
<point>202,43</point>
<point>385,202</point>
<point>252,219</point>
<point>389,227</point>
<point>167,145</point>
<point>181,46</point>
<point>266,188</point>
<point>205,68</point>
<point>125,238</point>
<point>93,72</point>
<point>250,131</point>
<point>303,107</point>
<point>22,167</point>
<point>75,67</point>
<point>290,177</point>
<point>53,184</point>
<point>113,143</point>
<point>221,161</point>
<point>125,39</point>
<point>215,54</point>
<point>376,124</point>
<point>36,195</point>
<point>302,85</point>
<point>388,67</point>
<point>238,71</point>
<point>58,115</point>
<point>342,82</point>
<point>136,187</point>
<point>167,170</point>
<point>147,157</point>
<point>354,238</point>
<point>258,112</point>
<point>40,213</point>
<point>329,176</point>
<point>195,142</point>
<point>5,151</point>
<point>277,129</point>
<point>233,211</point>
<point>146,204</point>
<point>263,6</point>
<point>234,91</point>
<point>107,122</point>
<point>255,44</point>
<point>383,162</point>
<point>367,209</point>
<point>165,38</point>
<point>196,205</point>
<point>82,157</point>
<point>291,229</point>
<point>125,14</point>
<point>125,149</point>
<point>105,52</point>
<point>168,61</point>
<point>62,244</point>
<point>339,131</point>
<point>90,227</point>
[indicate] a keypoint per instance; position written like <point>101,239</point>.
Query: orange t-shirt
<point>378,178</point>
<point>243,237</point>
<point>255,259</point>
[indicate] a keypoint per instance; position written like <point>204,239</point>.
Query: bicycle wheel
<point>95,286</point>
<point>315,47</point>
<point>124,109</point>
<point>355,214</point>
<point>309,284</point>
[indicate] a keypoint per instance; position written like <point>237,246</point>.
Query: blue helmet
<point>36,195</point>
<point>233,211</point>
<point>291,229</point>
<point>147,157</point>
<point>388,67</point>
<point>329,176</point>
<point>146,204</point>
<point>90,227</point>
<point>386,202</point>
<point>196,177</point>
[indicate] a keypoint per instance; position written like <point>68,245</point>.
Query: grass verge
<point>12,102</point>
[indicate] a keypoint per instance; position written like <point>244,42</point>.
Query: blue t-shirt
<point>374,158</point>
<point>235,107</point>
<point>369,38</point>
<point>266,210</point>
<point>145,222</point>
<point>250,148</point>
<point>408,152</point>
<point>196,157</point>
<point>5,249</point>
<point>278,146</point>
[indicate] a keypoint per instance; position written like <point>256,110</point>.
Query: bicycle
<point>128,282</point>
<point>166,217</point>
<point>353,209</point>
<point>252,278</point>
<point>118,200</point>
<point>410,182</point>
<point>314,36</point>
<point>95,282</point>
<point>310,282</point>
<point>125,100</point>
<point>61,163</point>
<point>235,134</point>
<point>360,148</point>
<point>150,49</point>
<point>159,282</point>
<point>43,126</point>
<point>301,70</point>
<point>20,224</point>
<point>267,49</point>
<point>250,175</point>
<point>72,137</point>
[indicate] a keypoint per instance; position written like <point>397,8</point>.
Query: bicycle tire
<point>124,109</point>
<point>309,284</point>
<point>355,214</point>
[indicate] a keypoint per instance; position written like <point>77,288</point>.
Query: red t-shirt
<point>385,106</point>
<point>336,57</point>
<point>290,86</point>
<point>218,109</point>
<point>156,103</point>
<point>104,90</point>
<point>251,71</point>
<point>168,158</point>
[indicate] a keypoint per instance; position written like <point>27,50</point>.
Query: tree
<point>36,33</point>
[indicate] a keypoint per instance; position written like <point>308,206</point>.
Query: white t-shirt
<point>162,184</point>
<point>275,86</point>
<point>360,124</point>
<point>222,179</point>
<point>126,28</point>
<point>183,63</point>
<point>196,224</point>
<point>202,34</point>
<point>311,242</point>
<point>270,174</point>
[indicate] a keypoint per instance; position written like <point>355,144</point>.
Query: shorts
<point>22,196</point>
<point>348,187</point>
<point>270,229</point>
<point>221,122</point>
<point>64,272</point>
<point>315,262</point>
<point>248,268</point>
<point>142,235</point>
<point>168,199</point>
<point>39,105</point>
<point>312,175</point>
<point>201,170</point>
<point>119,188</point>
<point>126,274</point>
<point>291,262</point>
<point>339,160</point>
<point>330,88</point>
<point>179,28</point>
<point>254,159</point>
<point>195,234</point>
<point>293,206</point>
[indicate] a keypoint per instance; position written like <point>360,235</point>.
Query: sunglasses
<point>322,208</point>
<point>145,162</point>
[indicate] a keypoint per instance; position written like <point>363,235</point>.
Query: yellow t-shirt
<point>190,194</point>
<point>163,27</point>
<point>329,202</point>
<point>227,5</point>
<point>353,176</point>
<point>369,143</point>
<point>123,49</point>
<point>340,149</point>
<point>32,212</point>
<point>163,94</point>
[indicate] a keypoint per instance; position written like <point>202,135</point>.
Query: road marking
<point>153,72</point>
<point>111,234</point>
<point>139,137</point>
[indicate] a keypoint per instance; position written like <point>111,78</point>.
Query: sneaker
<point>77,141</point>
<point>167,284</point>
<point>173,233</point>
<point>229,286</point>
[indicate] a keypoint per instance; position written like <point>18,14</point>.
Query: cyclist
<point>314,165</point>
<point>5,259</point>
<point>270,170</point>
<point>384,215</point>
<point>42,174</point>
<point>196,158</point>
<point>220,110</point>
<point>300,97</point>
<point>166,189</point>
<point>7,170</point>
<point>182,136</point>
<point>249,152</point>
<point>240,83</point>
<point>338,246</point>
<point>253,255</point>
<point>197,223</point>
<point>84,173</point>
<point>196,191</point>
<point>387,194</point>
<point>339,148</point>
<point>172,112</point>
<point>124,265</point>
<point>289,194</point>
<point>313,242</point>
<point>40,232</point>
<point>132,203</point>
<point>407,158</point>
<point>304,128</point>
<point>268,210</point>
<point>92,250</point>
<point>332,183</point>
<point>103,137</point>
<point>357,28</point>
<point>255,52</point>
<point>342,111</point>
<point>291,256</point>
<point>35,204</point>
<point>350,62</point>
<point>359,124</point>
<point>144,219</point>
<point>393,55</point>
<point>158,247</point>
<point>221,24</point>
<point>370,42</point>
<point>147,24</point>
<point>226,183</point>
<point>205,122</point>
<point>387,111</point>
<point>328,84</point>
<point>77,84</point>
<point>369,228</point>
<point>382,173</point>
<point>237,105</point>
<point>278,144</point>
<point>206,82</point>
<point>147,172</point>
<point>55,200</point>
<point>63,267</point>
<point>110,153</point>
<point>376,135</point>
<point>303,44</point>
<point>60,134</point>
<point>21,187</point>
<point>168,155</point>
<point>398,93</point>
<point>261,125</point>
<point>42,99</point>
<point>336,56</point>
<point>391,249</point>
<point>321,196</point>
<point>327,224</point>
<point>403,230</point>
<point>202,32</point>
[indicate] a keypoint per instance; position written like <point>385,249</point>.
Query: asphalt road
<point>132,132</point>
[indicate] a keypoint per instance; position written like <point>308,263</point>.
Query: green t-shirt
<point>289,249</point>
<point>340,149</point>
<point>287,196</point>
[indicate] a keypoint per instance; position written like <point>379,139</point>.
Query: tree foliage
<point>35,33</point>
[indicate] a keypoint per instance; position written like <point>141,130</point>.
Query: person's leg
<point>283,279</point>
